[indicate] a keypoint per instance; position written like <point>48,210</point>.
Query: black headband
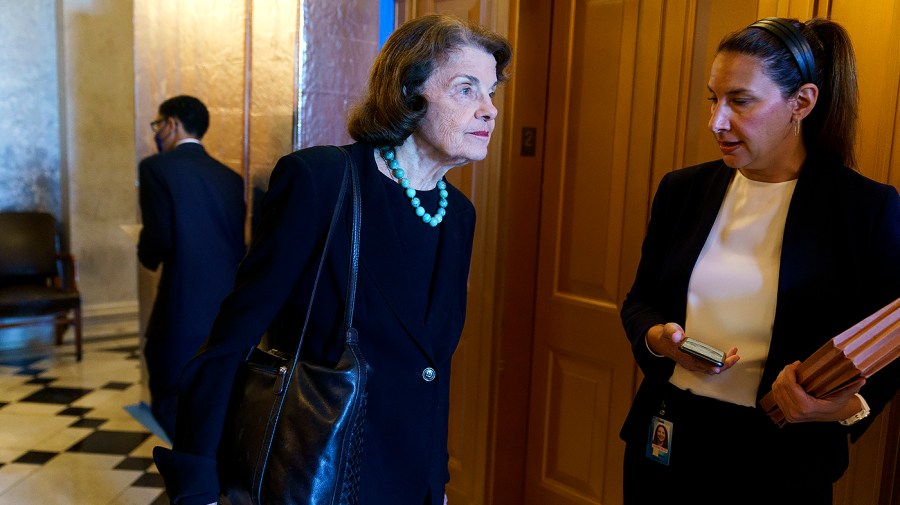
<point>793,39</point>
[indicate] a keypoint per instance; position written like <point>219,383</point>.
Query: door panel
<point>587,149</point>
<point>579,393</point>
<point>582,372</point>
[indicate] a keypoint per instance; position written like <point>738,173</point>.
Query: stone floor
<point>65,437</point>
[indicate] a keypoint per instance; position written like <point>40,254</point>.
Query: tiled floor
<point>64,435</point>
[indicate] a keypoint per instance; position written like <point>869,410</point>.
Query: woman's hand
<point>799,407</point>
<point>664,339</point>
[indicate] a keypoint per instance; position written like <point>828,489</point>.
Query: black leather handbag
<point>293,434</point>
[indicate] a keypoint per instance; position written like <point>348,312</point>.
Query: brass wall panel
<point>276,75</point>
<point>272,95</point>
<point>589,151</point>
<point>341,44</point>
<point>193,47</point>
<point>579,395</point>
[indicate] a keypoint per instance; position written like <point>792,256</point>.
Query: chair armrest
<point>68,276</point>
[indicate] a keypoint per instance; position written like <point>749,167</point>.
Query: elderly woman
<point>765,254</point>
<point>429,108</point>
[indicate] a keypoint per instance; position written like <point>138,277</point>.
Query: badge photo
<point>659,440</point>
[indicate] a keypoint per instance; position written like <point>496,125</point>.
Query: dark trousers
<point>164,409</point>
<point>721,453</point>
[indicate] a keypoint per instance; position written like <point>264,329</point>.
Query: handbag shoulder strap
<point>350,175</point>
<point>350,300</point>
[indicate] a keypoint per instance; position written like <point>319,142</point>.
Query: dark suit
<point>840,262</point>
<point>192,209</point>
<point>405,455</point>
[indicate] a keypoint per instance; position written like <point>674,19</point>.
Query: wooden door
<point>625,105</point>
<point>582,370</point>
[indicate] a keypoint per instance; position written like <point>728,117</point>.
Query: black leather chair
<point>36,280</point>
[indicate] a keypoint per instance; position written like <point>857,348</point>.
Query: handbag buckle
<point>280,380</point>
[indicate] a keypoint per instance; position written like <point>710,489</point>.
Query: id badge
<point>659,440</point>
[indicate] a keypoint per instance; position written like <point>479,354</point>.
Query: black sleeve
<point>640,311</point>
<point>885,276</point>
<point>156,239</point>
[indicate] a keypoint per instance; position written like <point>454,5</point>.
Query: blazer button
<point>429,374</point>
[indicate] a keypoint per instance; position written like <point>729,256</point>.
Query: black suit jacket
<point>192,209</point>
<point>405,454</point>
<point>840,262</point>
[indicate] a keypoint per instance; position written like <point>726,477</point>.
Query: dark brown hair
<point>829,131</point>
<point>393,105</point>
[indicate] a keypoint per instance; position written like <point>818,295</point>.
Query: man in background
<point>192,208</point>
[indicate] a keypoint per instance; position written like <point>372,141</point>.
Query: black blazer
<point>405,456</point>
<point>192,209</point>
<point>840,262</point>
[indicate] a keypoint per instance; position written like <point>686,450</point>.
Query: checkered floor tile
<point>64,435</point>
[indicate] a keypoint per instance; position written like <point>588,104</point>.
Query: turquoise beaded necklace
<point>387,152</point>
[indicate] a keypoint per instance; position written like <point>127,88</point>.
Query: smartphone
<point>703,351</point>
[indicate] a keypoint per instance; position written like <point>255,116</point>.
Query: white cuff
<point>651,350</point>
<point>859,416</point>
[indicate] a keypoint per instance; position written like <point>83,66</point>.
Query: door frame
<point>517,250</point>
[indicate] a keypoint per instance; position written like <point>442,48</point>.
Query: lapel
<point>804,249</point>
<point>711,190</point>
<point>806,228</point>
<point>383,257</point>
<point>815,240</point>
<point>451,247</point>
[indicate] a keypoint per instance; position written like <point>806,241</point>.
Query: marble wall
<point>67,142</point>
<point>29,107</point>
